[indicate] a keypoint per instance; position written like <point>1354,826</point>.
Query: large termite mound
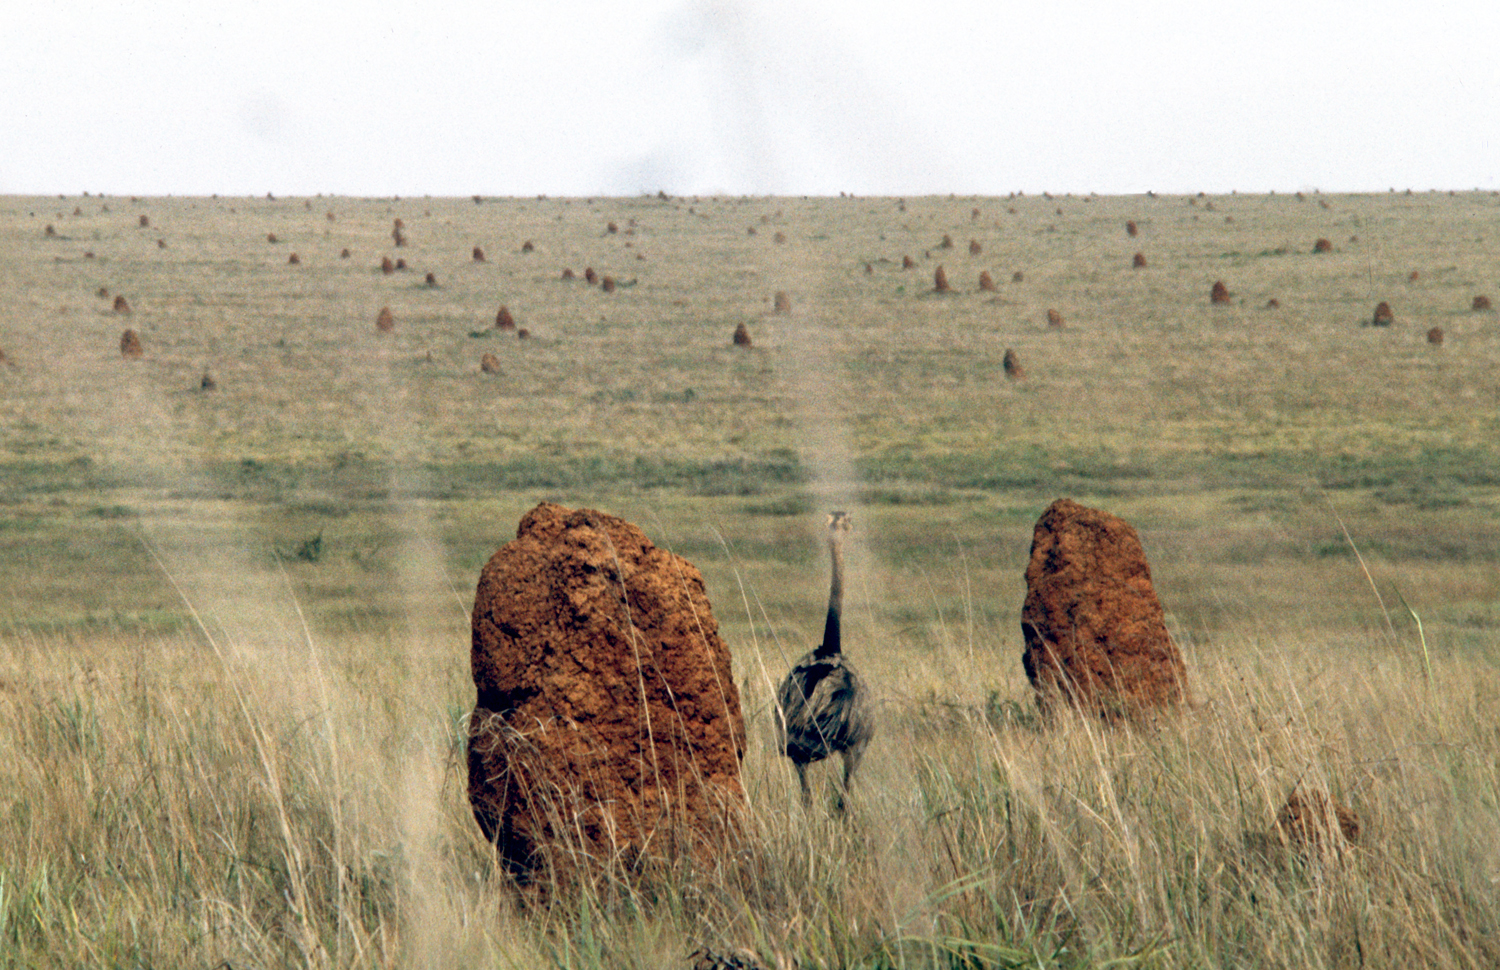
<point>1095,633</point>
<point>607,726</point>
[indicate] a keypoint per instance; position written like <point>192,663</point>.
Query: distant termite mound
<point>1017,277</point>
<point>1323,245</point>
<point>271,238</point>
<point>1480,303</point>
<point>1138,261</point>
<point>974,248</point>
<point>1435,336</point>
<point>344,253</point>
<point>294,260</point>
<point>947,242</point>
<point>207,382</point>
<point>907,262</point>
<point>528,247</point>
<point>1130,228</point>
<point>478,254</point>
<point>523,334</point>
<point>940,281</point>
<point>385,321</point>
<point>1220,293</point>
<point>568,273</point>
<point>1055,319</point>
<point>611,228</point>
<point>1012,364</point>
<point>489,364</point>
<point>742,336</point>
<point>782,303</point>
<point>130,344</point>
<point>607,284</point>
<point>780,237</point>
<point>986,281</point>
<point>386,266</point>
<point>122,305</point>
<point>504,320</point>
<point>1383,317</point>
<point>589,276</point>
<point>430,279</point>
<point>145,222</point>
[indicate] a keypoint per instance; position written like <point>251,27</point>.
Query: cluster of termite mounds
<point>607,728</point>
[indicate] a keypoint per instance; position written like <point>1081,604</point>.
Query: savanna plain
<point>234,635</point>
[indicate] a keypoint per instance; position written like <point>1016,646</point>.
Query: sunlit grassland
<point>234,639</point>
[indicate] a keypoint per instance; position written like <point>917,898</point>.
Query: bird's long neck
<point>832,637</point>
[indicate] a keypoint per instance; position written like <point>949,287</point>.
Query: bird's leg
<point>851,758</point>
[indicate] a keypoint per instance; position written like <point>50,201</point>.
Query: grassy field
<point>234,633</point>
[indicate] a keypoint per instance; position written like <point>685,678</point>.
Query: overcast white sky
<point>579,97</point>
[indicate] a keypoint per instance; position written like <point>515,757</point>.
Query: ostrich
<point>823,706</point>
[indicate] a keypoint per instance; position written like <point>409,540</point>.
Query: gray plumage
<point>823,707</point>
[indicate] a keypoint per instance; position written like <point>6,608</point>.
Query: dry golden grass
<point>276,779</point>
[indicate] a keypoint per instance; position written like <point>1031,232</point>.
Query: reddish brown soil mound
<point>940,281</point>
<point>1220,293</point>
<point>1481,303</point>
<point>1055,319</point>
<point>1012,364</point>
<point>607,284</point>
<point>974,248</point>
<point>783,302</point>
<point>207,382</point>
<point>986,281</point>
<point>1310,818</point>
<point>145,222</point>
<point>1323,246</point>
<point>271,238</point>
<point>607,726</point>
<point>589,276</point>
<point>780,237</point>
<point>1138,261</point>
<point>344,253</point>
<point>504,320</point>
<point>1095,632</point>
<point>523,334</point>
<point>490,364</point>
<point>1130,228</point>
<point>385,321</point>
<point>611,228</point>
<point>478,254</point>
<point>400,263</point>
<point>430,279</point>
<point>122,305</point>
<point>908,263</point>
<point>294,260</point>
<point>1435,336</point>
<point>386,266</point>
<point>1017,277</point>
<point>742,336</point>
<point>947,242</point>
<point>528,247</point>
<point>130,344</point>
<point>1383,316</point>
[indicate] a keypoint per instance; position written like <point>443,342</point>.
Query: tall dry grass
<point>179,803</point>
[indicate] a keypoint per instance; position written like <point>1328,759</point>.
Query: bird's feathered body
<point>822,705</point>
<point>823,709</point>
